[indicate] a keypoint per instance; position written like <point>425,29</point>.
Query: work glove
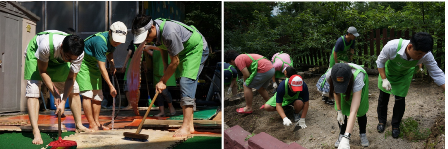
<point>421,69</point>
<point>274,85</point>
<point>386,85</point>
<point>302,123</point>
<point>340,118</point>
<point>344,144</point>
<point>229,91</point>
<point>286,121</point>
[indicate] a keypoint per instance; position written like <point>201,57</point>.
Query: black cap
<point>340,74</point>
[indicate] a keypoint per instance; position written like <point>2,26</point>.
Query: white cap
<point>142,32</point>
<point>119,31</point>
<point>352,30</point>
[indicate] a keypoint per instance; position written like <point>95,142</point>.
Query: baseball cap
<point>119,31</point>
<point>296,82</point>
<point>142,32</point>
<point>352,30</point>
<point>340,74</point>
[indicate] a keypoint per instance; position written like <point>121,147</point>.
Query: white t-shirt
<point>43,50</point>
<point>389,52</point>
<point>359,80</point>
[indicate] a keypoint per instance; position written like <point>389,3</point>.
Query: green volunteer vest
<point>57,69</point>
<point>342,55</point>
<point>364,105</point>
<point>253,69</point>
<point>158,69</point>
<point>279,74</point>
<point>228,68</point>
<point>399,72</point>
<point>89,77</point>
<point>286,98</point>
<point>190,57</point>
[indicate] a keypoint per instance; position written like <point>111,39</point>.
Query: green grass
<point>24,139</point>
<point>201,142</point>
<point>409,128</point>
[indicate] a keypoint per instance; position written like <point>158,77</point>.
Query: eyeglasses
<point>67,57</point>
<point>120,32</point>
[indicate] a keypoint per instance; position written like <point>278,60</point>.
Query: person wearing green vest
<point>54,58</point>
<point>188,51</point>
<point>349,86</point>
<point>343,44</point>
<point>396,64</point>
<point>230,78</point>
<point>125,69</point>
<point>257,73</point>
<point>98,48</point>
<point>292,91</point>
<point>280,61</point>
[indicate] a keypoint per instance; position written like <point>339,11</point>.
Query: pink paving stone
<point>265,141</point>
<point>234,137</point>
<point>294,145</point>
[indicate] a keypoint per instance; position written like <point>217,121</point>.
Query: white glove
<point>286,121</point>
<point>421,69</point>
<point>229,91</point>
<point>344,144</point>
<point>386,85</point>
<point>274,85</point>
<point>302,123</point>
<point>340,118</point>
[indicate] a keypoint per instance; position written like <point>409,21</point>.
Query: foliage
<point>300,28</point>
<point>410,130</point>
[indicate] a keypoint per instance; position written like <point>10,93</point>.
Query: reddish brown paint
<point>133,79</point>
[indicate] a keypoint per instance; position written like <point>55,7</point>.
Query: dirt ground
<point>425,102</point>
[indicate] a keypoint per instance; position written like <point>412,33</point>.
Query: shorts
<point>33,88</point>
<point>93,94</point>
<point>261,80</point>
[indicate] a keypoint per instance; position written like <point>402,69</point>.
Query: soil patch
<point>425,102</point>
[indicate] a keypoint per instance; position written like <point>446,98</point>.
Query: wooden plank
<point>392,34</point>
<point>399,34</point>
<point>406,35</point>
<point>371,46</point>
<point>28,128</point>
<point>378,38</point>
<point>384,38</point>
<point>151,124</point>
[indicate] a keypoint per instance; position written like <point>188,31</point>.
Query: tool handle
<point>113,103</point>
<point>139,129</point>
<point>59,124</point>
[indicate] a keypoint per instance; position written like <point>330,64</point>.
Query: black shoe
<point>324,99</point>
<point>395,132</point>
<point>380,127</point>
<point>330,102</point>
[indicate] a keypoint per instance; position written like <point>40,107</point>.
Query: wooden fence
<point>374,42</point>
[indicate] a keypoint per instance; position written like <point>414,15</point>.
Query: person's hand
<point>421,69</point>
<point>344,144</point>
<point>112,69</point>
<point>286,121</point>
<point>113,92</point>
<point>160,86</point>
<point>340,118</point>
<point>386,85</point>
<point>274,85</point>
<point>302,123</point>
<point>229,91</point>
<point>60,107</point>
<point>123,70</point>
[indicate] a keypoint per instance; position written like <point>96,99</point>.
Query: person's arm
<point>335,56</point>
<point>434,70</point>
<point>110,58</point>
<point>246,73</point>
<point>68,88</point>
<point>233,86</point>
<point>42,67</point>
<point>356,101</point>
<point>126,61</point>
<point>305,109</point>
<point>280,110</point>
<point>105,75</point>
<point>305,96</point>
<point>168,73</point>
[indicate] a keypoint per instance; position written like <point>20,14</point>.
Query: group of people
<point>344,83</point>
<point>72,67</point>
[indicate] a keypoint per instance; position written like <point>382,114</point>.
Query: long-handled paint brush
<point>137,135</point>
<point>61,144</point>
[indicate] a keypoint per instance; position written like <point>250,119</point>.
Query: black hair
<point>347,92</point>
<point>422,41</point>
<point>290,71</point>
<point>73,44</point>
<point>230,55</point>
<point>140,21</point>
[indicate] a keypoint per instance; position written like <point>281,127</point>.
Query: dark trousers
<point>362,122</point>
<point>398,112</point>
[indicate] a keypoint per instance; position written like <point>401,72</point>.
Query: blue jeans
<point>188,86</point>
<point>215,85</point>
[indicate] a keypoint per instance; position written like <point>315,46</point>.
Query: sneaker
<point>330,102</point>
<point>296,117</point>
<point>364,141</point>
<point>336,144</point>
<point>324,99</point>
<point>395,132</point>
